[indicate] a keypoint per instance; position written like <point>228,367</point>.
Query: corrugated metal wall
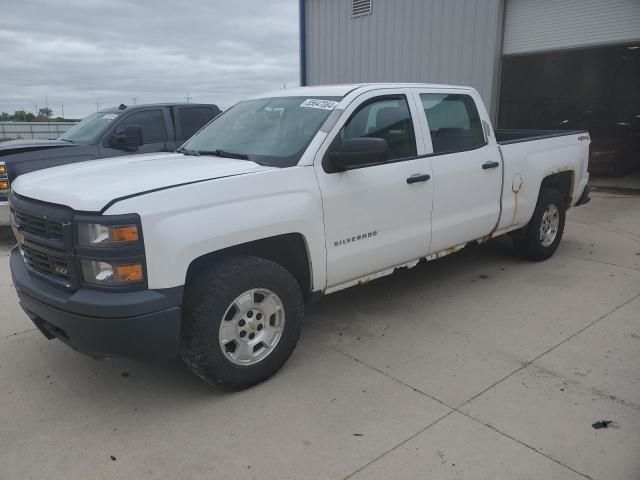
<point>541,25</point>
<point>436,41</point>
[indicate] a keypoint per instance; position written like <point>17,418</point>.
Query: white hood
<point>89,186</point>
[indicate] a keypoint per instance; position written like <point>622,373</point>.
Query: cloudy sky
<point>79,52</point>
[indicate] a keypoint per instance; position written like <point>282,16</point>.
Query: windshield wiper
<point>186,151</point>
<point>223,153</point>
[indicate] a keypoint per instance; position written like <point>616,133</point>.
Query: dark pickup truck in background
<point>108,133</point>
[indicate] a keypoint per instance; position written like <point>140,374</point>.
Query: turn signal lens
<point>129,273</point>
<point>4,184</point>
<point>3,169</point>
<point>124,234</point>
<point>100,235</point>
<point>104,272</point>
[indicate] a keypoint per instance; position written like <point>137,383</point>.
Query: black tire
<point>207,298</point>
<point>527,241</point>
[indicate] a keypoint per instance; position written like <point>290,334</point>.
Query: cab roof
<point>137,106</point>
<point>344,89</point>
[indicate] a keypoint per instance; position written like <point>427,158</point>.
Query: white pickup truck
<point>211,252</point>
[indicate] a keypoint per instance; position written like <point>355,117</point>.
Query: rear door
<point>188,120</point>
<point>157,132</point>
<point>375,219</point>
<point>467,170</point>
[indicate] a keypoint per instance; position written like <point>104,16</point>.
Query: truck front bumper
<point>144,324</point>
<point>4,214</point>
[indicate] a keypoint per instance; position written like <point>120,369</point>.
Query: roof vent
<point>360,7</point>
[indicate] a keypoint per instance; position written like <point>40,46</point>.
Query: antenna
<point>188,97</point>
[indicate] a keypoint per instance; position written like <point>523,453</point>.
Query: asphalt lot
<point>476,366</point>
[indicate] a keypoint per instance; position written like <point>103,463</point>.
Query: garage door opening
<point>596,89</point>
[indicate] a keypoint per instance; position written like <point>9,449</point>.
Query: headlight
<point>110,251</point>
<point>4,181</point>
<point>99,235</point>
<point>112,273</point>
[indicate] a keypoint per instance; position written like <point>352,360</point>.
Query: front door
<point>155,136</point>
<point>375,219</point>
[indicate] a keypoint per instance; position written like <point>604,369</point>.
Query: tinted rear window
<point>454,122</point>
<point>192,119</point>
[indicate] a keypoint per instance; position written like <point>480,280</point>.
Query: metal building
<point>436,41</point>
<point>536,63</point>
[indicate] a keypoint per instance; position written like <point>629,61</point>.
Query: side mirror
<point>359,152</point>
<point>130,139</point>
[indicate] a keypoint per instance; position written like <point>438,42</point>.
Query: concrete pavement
<point>476,366</point>
<point>629,183</point>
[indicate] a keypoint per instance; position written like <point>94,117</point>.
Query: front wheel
<point>241,321</point>
<point>541,237</point>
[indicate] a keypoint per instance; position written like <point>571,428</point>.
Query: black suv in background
<point>107,133</point>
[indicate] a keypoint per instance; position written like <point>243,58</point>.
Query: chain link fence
<point>42,130</point>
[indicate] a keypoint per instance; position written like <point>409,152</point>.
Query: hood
<point>90,186</point>
<point>17,146</point>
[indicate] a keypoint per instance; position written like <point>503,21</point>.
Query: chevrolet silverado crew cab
<point>107,133</point>
<point>211,252</point>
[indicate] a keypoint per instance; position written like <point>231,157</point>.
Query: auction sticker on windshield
<point>110,116</point>
<point>318,103</point>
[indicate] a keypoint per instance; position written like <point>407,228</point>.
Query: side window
<point>386,118</point>
<point>152,123</point>
<point>454,122</point>
<point>193,119</point>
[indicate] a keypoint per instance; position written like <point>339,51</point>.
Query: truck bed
<point>528,156</point>
<point>507,136</point>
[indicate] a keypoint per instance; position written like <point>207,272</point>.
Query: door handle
<point>418,178</point>
<point>488,165</point>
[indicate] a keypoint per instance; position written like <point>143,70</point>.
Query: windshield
<point>90,128</point>
<point>271,131</point>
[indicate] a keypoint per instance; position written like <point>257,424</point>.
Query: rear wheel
<point>541,237</point>
<point>241,321</point>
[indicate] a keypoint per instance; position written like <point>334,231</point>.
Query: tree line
<point>44,115</point>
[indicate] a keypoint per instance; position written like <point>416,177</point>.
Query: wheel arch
<point>289,250</point>
<point>562,182</point>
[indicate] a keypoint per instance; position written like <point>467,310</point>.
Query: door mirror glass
<point>359,152</point>
<point>129,139</point>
